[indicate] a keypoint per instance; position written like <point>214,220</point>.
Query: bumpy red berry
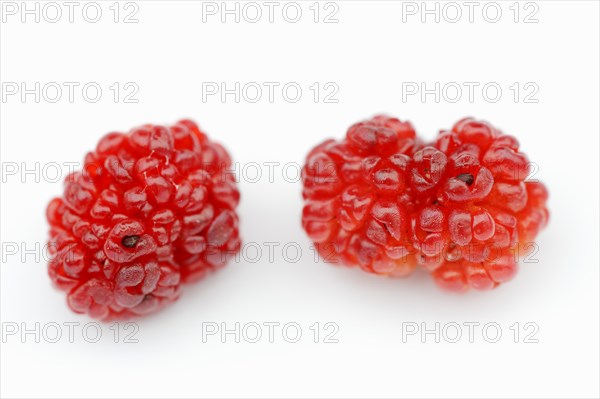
<point>357,196</point>
<point>491,211</point>
<point>460,207</point>
<point>151,209</point>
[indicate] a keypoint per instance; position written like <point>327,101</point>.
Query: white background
<point>368,54</point>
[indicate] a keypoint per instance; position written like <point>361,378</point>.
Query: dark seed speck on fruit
<point>130,241</point>
<point>466,177</point>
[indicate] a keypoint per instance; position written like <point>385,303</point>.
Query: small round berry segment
<point>459,207</point>
<point>151,209</point>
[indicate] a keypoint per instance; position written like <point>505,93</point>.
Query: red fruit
<point>487,201</point>
<point>460,207</point>
<point>151,209</point>
<point>354,211</point>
